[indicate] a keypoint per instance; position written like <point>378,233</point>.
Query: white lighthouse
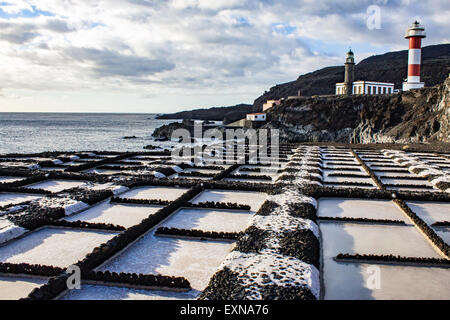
<point>415,34</point>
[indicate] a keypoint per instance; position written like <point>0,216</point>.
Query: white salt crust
<point>414,163</point>
<point>267,268</point>
<point>9,230</point>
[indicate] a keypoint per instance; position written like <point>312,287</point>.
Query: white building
<point>349,86</point>
<point>256,117</point>
<point>366,87</point>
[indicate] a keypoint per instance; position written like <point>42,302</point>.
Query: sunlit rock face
<point>417,116</point>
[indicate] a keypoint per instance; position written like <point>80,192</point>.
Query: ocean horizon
<point>34,132</point>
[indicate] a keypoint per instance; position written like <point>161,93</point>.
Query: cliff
<point>389,67</point>
<point>410,117</point>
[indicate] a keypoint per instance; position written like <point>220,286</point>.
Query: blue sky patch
<point>24,13</point>
<point>331,48</point>
<point>283,28</point>
<point>241,21</point>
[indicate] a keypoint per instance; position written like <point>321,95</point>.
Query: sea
<point>40,132</point>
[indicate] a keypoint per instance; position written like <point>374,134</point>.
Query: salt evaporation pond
<point>335,179</point>
<point>350,281</point>
<point>56,185</point>
<point>51,246</point>
<point>99,292</point>
<point>251,198</point>
<point>7,198</point>
<point>431,212</point>
<point>195,260</point>
<point>444,233</point>
<point>105,171</point>
<point>394,181</point>
<point>15,288</point>
<point>336,185</point>
<point>343,167</point>
<point>5,179</point>
<point>387,168</point>
<point>52,169</point>
<point>204,171</point>
<point>248,180</point>
<point>149,193</point>
<point>355,238</point>
<point>359,208</point>
<point>413,189</point>
<point>266,171</point>
<point>387,174</point>
<point>360,171</point>
<point>126,215</point>
<point>209,220</point>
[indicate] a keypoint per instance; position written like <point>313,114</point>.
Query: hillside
<point>409,117</point>
<point>389,67</point>
<point>226,114</point>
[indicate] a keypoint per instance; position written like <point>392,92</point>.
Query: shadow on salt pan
<point>53,246</point>
<point>349,280</point>
<point>195,260</point>
<point>15,288</point>
<point>431,212</point>
<point>98,292</point>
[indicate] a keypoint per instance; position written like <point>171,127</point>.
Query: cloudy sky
<point>167,55</point>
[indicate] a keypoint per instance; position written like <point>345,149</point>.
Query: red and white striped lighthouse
<point>415,34</point>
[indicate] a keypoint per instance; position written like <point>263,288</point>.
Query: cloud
<point>195,47</point>
<point>17,33</point>
<point>109,63</point>
<point>15,7</point>
<point>58,25</point>
<point>23,30</point>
